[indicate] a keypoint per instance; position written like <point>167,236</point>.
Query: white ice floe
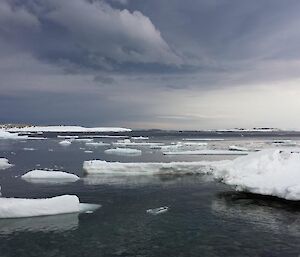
<point>4,164</point>
<point>65,142</point>
<point>7,135</point>
<point>29,149</point>
<point>206,152</point>
<point>272,172</point>
<point>284,143</point>
<point>20,207</point>
<point>83,140</point>
<point>67,129</point>
<point>238,148</point>
<point>124,151</point>
<point>140,138</point>
<point>88,151</point>
<point>96,144</point>
<point>49,176</point>
<point>144,168</point>
<point>127,142</point>
<point>203,139</point>
<point>159,210</point>
<point>68,137</point>
<point>183,146</point>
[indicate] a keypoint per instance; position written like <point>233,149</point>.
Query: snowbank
<point>20,207</point>
<point>272,172</point>
<point>124,151</point>
<point>65,142</point>
<point>4,164</point>
<point>206,152</point>
<point>67,129</point>
<point>46,176</point>
<point>151,168</point>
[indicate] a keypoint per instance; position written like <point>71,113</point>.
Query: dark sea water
<point>205,217</point>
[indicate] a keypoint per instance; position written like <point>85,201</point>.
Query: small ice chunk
<point>28,149</point>
<point>65,143</point>
<point>140,138</point>
<point>237,148</point>
<point>96,144</point>
<point>124,151</point>
<point>159,210</point>
<point>87,151</point>
<point>4,164</point>
<point>206,152</point>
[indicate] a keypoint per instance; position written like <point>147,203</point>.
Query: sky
<point>167,64</point>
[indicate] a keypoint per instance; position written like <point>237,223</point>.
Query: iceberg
<point>47,176</point>
<point>273,172</point>
<point>21,207</point>
<point>63,128</point>
<point>206,152</point>
<point>65,143</point>
<point>124,151</point>
<point>144,168</point>
<point>4,164</point>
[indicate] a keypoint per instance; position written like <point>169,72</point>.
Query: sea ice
<point>96,144</point>
<point>140,138</point>
<point>49,176</point>
<point>159,210</point>
<point>20,207</point>
<point>206,152</point>
<point>124,151</point>
<point>4,164</point>
<point>7,135</point>
<point>65,142</point>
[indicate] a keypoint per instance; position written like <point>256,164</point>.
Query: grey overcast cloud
<point>150,63</point>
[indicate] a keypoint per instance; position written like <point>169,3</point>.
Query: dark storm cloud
<point>125,49</point>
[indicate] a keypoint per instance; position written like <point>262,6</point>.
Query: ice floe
<point>273,172</point>
<point>203,139</point>
<point>144,168</point>
<point>140,138</point>
<point>206,152</point>
<point>127,142</point>
<point>4,164</point>
<point>96,144</point>
<point>67,129</point>
<point>238,148</point>
<point>21,207</point>
<point>65,143</point>
<point>157,211</point>
<point>49,176</point>
<point>7,135</point>
<point>124,151</point>
<point>29,149</point>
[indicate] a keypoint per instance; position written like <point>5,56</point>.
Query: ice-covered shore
<point>20,207</point>
<point>67,129</point>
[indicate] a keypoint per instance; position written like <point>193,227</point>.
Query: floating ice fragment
<point>124,151</point>
<point>158,210</point>
<point>65,143</point>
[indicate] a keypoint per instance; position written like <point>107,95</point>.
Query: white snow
<point>49,176</point>
<point>65,142</point>
<point>272,172</point>
<point>96,144</point>
<point>67,129</point>
<point>144,168</point>
<point>124,151</point>
<point>20,207</point>
<point>4,164</point>
<point>206,152</point>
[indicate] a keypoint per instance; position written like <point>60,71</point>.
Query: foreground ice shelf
<point>20,207</point>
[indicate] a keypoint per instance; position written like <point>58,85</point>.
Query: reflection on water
<point>267,213</point>
<point>56,223</point>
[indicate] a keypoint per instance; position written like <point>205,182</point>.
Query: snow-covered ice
<point>65,143</point>
<point>21,207</point>
<point>140,138</point>
<point>4,164</point>
<point>49,176</point>
<point>7,135</point>
<point>124,151</point>
<point>67,129</point>
<point>29,149</point>
<point>238,148</point>
<point>146,168</point>
<point>273,172</point>
<point>127,142</point>
<point>203,139</point>
<point>88,151</point>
